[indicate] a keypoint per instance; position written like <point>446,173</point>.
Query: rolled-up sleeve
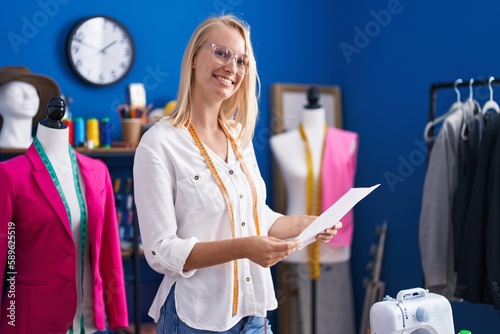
<point>271,216</point>
<point>154,196</point>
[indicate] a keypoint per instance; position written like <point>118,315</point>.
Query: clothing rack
<point>436,86</point>
<point>444,85</point>
<point>471,83</point>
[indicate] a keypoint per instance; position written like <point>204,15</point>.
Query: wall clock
<point>100,50</point>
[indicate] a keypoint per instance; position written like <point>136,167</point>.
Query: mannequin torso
<point>55,145</point>
<point>289,151</point>
<point>19,102</point>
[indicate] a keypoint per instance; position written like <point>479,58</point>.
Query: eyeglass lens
<point>224,56</point>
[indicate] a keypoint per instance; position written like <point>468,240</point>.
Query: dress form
<point>289,151</point>
<point>53,136</point>
<point>327,303</point>
<point>19,102</point>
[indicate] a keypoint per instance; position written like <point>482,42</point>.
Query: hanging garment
<point>435,227</point>
<point>45,265</point>
<point>467,172</point>
<point>472,284</point>
<point>338,171</point>
<point>493,225</point>
<point>338,174</point>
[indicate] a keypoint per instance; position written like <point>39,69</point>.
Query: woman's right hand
<point>263,250</point>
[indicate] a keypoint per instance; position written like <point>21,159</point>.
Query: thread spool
<point>79,131</point>
<point>105,132</point>
<point>93,132</point>
<point>69,124</point>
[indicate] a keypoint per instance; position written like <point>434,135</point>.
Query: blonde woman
<point>201,200</point>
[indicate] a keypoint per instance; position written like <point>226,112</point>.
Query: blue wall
<point>384,65</point>
<point>386,100</point>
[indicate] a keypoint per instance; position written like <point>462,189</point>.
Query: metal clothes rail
<point>445,85</point>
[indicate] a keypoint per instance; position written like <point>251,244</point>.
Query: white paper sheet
<point>334,214</point>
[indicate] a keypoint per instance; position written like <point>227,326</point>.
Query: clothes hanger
<point>476,109</point>
<point>454,107</point>
<point>490,104</point>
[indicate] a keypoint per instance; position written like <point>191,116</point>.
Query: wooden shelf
<point>96,152</point>
<point>130,252</point>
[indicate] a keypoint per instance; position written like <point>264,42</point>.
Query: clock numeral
<point>78,63</point>
<point>126,51</point>
<point>101,77</point>
<point>113,73</point>
<point>123,65</point>
<point>79,37</point>
<point>75,49</point>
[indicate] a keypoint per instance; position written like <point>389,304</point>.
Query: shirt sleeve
<point>271,217</point>
<point>165,252</point>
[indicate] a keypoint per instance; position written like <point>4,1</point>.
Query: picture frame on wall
<point>288,100</point>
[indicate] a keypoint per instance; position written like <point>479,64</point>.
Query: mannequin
<point>19,102</point>
<point>53,134</point>
<point>79,271</point>
<point>294,170</point>
<point>334,308</point>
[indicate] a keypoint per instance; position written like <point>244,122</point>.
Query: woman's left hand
<point>327,235</point>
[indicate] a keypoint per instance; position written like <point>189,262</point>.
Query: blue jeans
<point>170,323</point>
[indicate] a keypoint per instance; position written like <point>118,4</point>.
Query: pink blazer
<point>41,295</point>
<point>338,172</point>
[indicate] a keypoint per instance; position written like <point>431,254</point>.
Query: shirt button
<point>153,252</point>
<point>241,196</point>
<point>196,177</point>
<point>242,223</point>
<point>231,172</point>
<point>247,279</point>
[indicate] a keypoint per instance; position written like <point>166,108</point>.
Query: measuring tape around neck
<point>81,203</point>
<point>225,194</point>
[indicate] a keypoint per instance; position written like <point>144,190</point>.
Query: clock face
<point>100,50</point>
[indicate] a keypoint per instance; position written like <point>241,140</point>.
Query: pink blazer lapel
<point>91,188</point>
<point>47,188</point>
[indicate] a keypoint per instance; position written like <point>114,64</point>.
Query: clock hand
<point>86,44</point>
<point>103,50</point>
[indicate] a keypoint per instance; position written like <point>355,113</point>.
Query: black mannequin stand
<point>313,97</point>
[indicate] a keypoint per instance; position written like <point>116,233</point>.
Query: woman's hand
<point>327,235</point>
<point>265,251</point>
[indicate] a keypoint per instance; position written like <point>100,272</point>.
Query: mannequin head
<point>23,99</point>
<point>313,96</point>
<point>55,112</point>
<point>18,99</point>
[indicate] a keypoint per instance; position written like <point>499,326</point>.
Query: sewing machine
<point>414,311</point>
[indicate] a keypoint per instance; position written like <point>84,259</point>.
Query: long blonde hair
<point>242,107</point>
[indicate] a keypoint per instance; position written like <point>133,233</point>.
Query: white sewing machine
<point>414,311</point>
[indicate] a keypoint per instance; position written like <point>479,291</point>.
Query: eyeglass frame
<point>234,56</point>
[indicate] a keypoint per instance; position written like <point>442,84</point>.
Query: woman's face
<point>214,81</point>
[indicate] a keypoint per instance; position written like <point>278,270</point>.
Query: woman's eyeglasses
<point>223,56</point>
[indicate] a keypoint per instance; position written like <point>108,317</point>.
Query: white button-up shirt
<point>179,204</point>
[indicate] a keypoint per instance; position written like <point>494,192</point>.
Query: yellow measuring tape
<point>225,194</point>
<point>313,249</point>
